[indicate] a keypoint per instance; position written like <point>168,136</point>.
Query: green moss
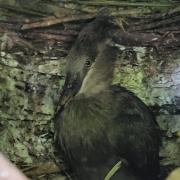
<point>8,84</point>
<point>133,80</point>
<point>47,105</point>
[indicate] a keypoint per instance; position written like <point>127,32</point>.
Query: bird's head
<point>90,61</point>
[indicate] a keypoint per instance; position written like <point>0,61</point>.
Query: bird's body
<point>96,132</point>
<point>102,124</point>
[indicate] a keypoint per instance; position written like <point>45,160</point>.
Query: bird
<point>99,125</point>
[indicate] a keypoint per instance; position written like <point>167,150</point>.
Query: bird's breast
<point>86,122</point>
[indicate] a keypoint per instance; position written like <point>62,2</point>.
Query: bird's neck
<point>97,79</point>
<point>95,82</point>
<point>100,76</point>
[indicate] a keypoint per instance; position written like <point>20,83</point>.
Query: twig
<point>158,24</point>
<point>52,21</point>
<point>49,36</point>
<point>116,3</point>
<point>42,169</point>
<point>17,9</point>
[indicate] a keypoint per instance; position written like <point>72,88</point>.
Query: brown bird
<point>99,124</point>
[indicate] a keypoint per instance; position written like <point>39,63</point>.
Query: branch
<point>42,169</point>
<point>46,22</point>
<point>116,3</point>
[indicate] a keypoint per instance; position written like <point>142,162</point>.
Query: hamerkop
<point>100,125</point>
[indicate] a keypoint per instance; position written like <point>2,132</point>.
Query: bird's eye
<point>88,63</point>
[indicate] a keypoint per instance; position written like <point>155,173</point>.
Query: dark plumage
<point>100,124</point>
